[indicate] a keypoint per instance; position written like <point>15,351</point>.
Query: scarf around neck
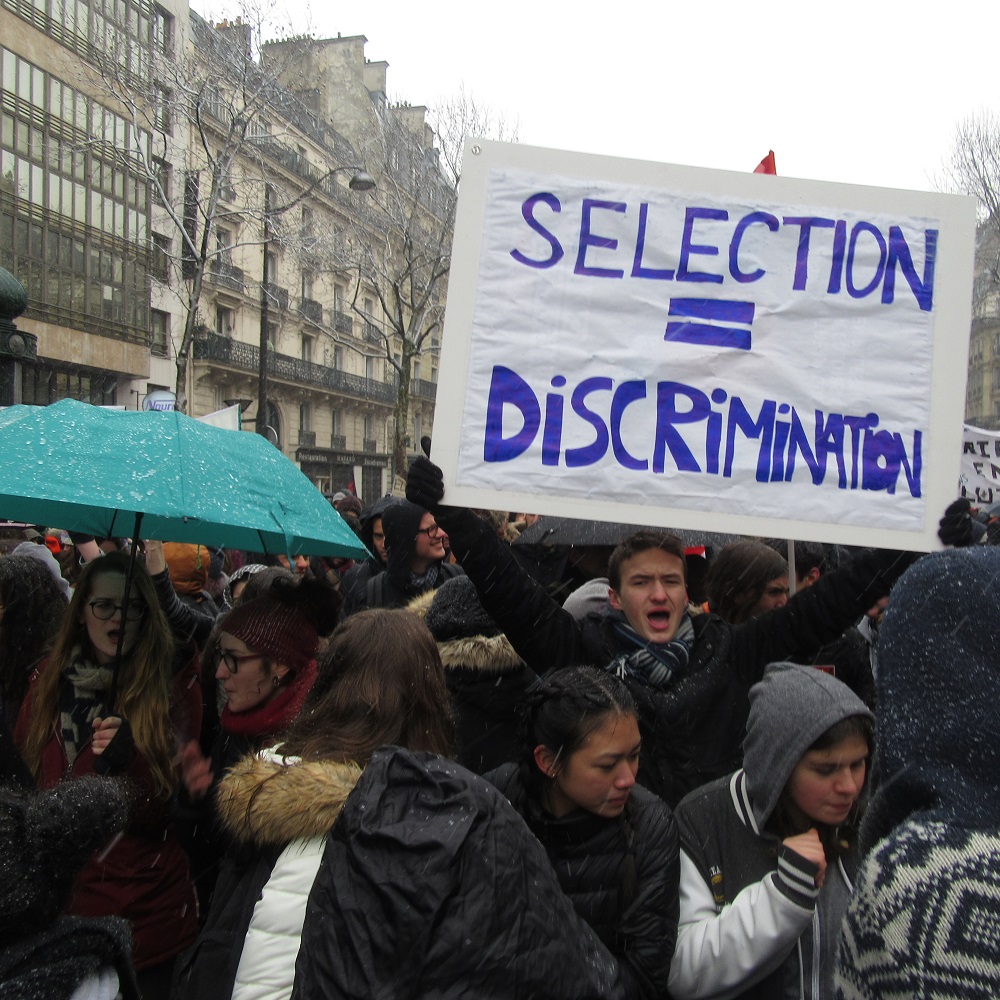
<point>274,716</point>
<point>658,665</point>
<point>82,694</point>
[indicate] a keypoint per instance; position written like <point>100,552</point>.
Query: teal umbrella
<point>161,475</point>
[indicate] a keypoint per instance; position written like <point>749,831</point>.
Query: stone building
<point>147,236</point>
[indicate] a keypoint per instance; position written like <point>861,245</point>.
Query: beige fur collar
<point>264,802</point>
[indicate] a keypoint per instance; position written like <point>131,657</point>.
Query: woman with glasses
<point>267,649</point>
<point>68,728</point>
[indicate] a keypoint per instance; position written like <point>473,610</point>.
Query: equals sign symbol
<point>710,323</point>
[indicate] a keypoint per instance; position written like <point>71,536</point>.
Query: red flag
<point>766,166</point>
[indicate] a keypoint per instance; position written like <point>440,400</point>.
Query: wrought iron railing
<point>238,354</point>
<point>312,310</point>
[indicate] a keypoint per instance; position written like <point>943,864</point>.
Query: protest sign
<point>642,342</point>
<point>980,476</point>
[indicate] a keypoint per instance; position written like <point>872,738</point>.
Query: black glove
<point>424,484</point>
<point>958,527</point>
<point>118,754</point>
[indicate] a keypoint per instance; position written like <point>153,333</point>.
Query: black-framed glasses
<point>232,661</point>
<point>103,608</point>
<point>434,529</point>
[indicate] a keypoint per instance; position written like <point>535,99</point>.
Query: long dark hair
<point>380,682</point>
<point>32,609</point>
<point>738,577</point>
<point>144,682</point>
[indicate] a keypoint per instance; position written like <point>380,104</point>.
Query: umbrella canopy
<point>88,469</point>
<point>576,532</point>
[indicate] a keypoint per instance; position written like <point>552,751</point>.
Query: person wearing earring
<point>267,652</point>
<point>769,854</point>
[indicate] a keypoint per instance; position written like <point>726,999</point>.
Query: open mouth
<point>659,619</point>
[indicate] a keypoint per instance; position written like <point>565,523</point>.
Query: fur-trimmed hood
<point>272,800</point>
<point>488,654</point>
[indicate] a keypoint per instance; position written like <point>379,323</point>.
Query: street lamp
<point>361,181</point>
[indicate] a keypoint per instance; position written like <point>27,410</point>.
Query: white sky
<point>861,91</point>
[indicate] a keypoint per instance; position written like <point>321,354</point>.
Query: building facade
<point>158,215</point>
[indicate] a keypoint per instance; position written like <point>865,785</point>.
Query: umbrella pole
<point>129,574</point>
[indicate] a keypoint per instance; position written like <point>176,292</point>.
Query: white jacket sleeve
<point>719,955</point>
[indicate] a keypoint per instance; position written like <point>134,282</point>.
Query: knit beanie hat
<point>42,555</point>
<point>277,629</point>
<point>188,566</point>
<point>456,613</point>
<point>45,839</point>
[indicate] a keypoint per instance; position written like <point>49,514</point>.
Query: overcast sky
<point>863,92</point>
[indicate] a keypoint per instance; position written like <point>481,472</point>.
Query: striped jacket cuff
<point>796,878</point>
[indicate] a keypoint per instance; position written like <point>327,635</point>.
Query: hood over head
<point>938,731</point>
<point>400,522</point>
<point>790,709</point>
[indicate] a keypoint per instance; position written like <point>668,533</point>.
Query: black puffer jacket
<point>592,856</point>
<point>432,886</point>
<point>692,731</point>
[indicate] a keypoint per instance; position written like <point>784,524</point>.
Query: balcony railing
<point>312,310</point>
<point>276,297</point>
<point>338,442</point>
<point>342,323</point>
<point>373,334</point>
<point>307,439</point>
<point>225,275</point>
<point>423,389</point>
<point>237,354</point>
<point>369,444</point>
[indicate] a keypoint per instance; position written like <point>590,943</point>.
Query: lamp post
<point>361,180</point>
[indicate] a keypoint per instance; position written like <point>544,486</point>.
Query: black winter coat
<point>692,732</point>
<point>592,857</point>
<point>432,887</point>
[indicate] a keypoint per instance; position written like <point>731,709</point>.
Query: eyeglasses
<point>434,529</point>
<point>104,609</point>
<point>232,661</point>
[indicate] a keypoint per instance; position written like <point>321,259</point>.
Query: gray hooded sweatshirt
<point>752,922</point>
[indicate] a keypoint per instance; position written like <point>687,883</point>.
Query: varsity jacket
<point>753,924</point>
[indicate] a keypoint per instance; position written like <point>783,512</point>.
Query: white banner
<point>696,348</point>
<point>980,477</point>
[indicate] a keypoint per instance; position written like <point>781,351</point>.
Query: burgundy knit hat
<point>279,631</point>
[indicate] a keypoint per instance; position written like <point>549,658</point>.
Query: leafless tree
<point>406,258</point>
<point>203,133</point>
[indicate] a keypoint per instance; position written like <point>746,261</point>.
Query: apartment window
<point>305,417</point>
<point>159,333</point>
<point>338,358</point>
<point>224,245</point>
<point>161,108</point>
<point>338,298</point>
<point>160,264</point>
<point>163,176</point>
<point>337,422</point>
<point>369,427</point>
<point>163,31</point>
<point>418,428</point>
<point>307,347</point>
<point>225,320</point>
<point>370,369</point>
<point>307,284</point>
<point>370,310</point>
<point>416,371</point>
<point>307,220</point>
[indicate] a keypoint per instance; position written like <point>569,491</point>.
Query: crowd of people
<point>445,771</point>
